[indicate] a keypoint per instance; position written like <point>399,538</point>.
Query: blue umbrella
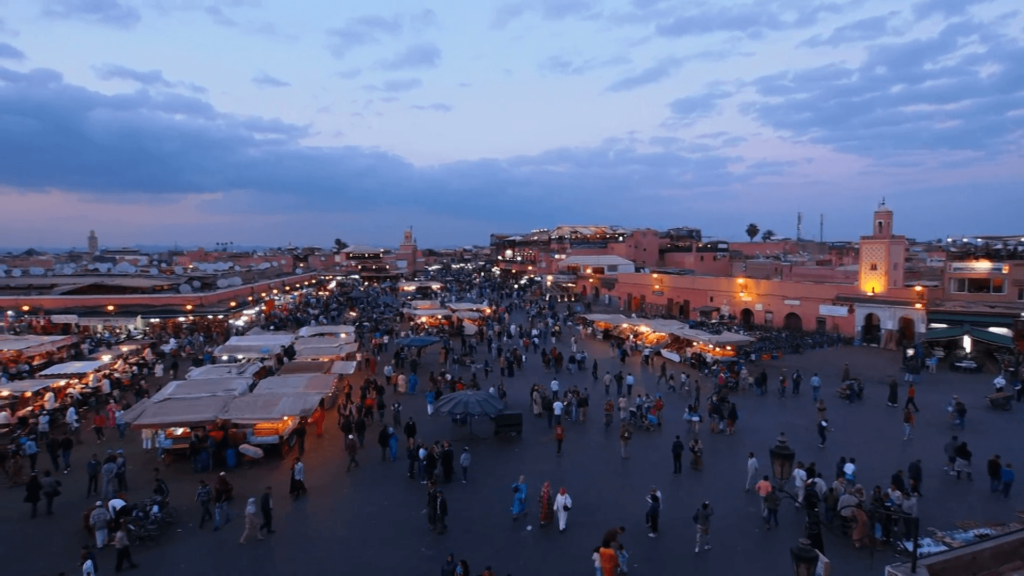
<point>417,341</point>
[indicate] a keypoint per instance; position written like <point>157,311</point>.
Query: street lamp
<point>805,558</point>
<point>782,458</point>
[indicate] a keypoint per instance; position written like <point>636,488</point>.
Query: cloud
<point>946,8</point>
<point>562,66</point>
<point>264,80</point>
<point>219,17</point>
<point>665,67</point>
<point>423,20</point>
<point>348,73</point>
<point>752,19</point>
<point>688,110</point>
<point>958,91</point>
<point>8,52</point>
<point>547,9</point>
<point>438,107</point>
<point>148,78</point>
<point>7,30</point>
<point>361,31</point>
<point>140,144</point>
<point>863,30</point>
<point>395,85</point>
<point>111,13</point>
<point>416,56</point>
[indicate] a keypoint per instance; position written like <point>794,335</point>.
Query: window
<point>958,285</point>
<point>711,299</point>
<point>999,286</point>
<point>1020,294</point>
<point>895,266</point>
<point>874,267</point>
<point>977,285</point>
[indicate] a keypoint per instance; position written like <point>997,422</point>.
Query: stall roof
<point>73,368</point>
<point>255,346</point>
<point>22,386</point>
<point>976,333</point>
<point>305,367</point>
<point>319,384</point>
<point>468,306</point>
<point>337,330</point>
<point>468,315</point>
<point>425,304</point>
<point>730,338</point>
<point>238,369</point>
<point>202,387</point>
<point>315,342</point>
<point>429,312</point>
<point>413,284</point>
<point>343,367</point>
<point>256,408</point>
<point>326,351</point>
<point>33,344</point>
<point>186,412</point>
<point>610,318</point>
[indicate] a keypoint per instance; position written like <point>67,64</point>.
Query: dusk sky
<point>267,122</point>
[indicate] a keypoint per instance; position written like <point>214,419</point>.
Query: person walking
<point>50,491</point>
<point>822,429</point>
<point>124,551</point>
<point>442,512</point>
<point>222,493</point>
<point>625,435</point>
<point>994,466</point>
<point>33,489</point>
<point>384,441</point>
<point>519,498</point>
<point>963,461</point>
<point>950,451</point>
<point>297,485</point>
<point>894,398</point>
<point>771,508</point>
<point>204,495</point>
<point>31,449</point>
<point>677,455</point>
<point>92,471</point>
<point>702,518</point>
<point>352,449</point>
<point>910,398</point>
<point>563,503</point>
<point>751,471</point>
<point>267,511</point>
<point>815,386</point>
<point>559,437</point>
<point>908,424</point>
<point>464,462</point>
<point>252,525</point>
<point>546,505</point>
<point>99,518</point>
<point>1007,479</point>
<point>66,445</point>
<point>653,513</point>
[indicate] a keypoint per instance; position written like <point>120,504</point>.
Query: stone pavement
<point>372,520</point>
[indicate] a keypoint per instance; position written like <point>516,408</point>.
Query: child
<point>623,559</point>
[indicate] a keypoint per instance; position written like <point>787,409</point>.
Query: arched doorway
<point>906,331</point>
<point>636,304</point>
<point>793,322</point>
<point>597,292</point>
<point>747,317</point>
<point>871,331</point>
<point>583,290</point>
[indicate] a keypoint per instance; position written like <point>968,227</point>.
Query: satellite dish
<point>36,271</point>
<point>16,273</point>
<point>178,270</point>
<point>236,281</point>
<point>196,284</point>
<point>274,264</point>
<point>222,283</point>
<point>185,289</point>
<point>264,266</point>
<point>238,268</point>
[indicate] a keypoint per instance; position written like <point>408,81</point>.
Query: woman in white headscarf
<point>252,525</point>
<point>563,503</point>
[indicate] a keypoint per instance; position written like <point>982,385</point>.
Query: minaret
<point>94,242</point>
<point>882,254</point>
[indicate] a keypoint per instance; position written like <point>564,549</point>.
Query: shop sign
<point>977,267</point>
<point>791,302</point>
<point>658,293</point>
<point>837,311</point>
<point>64,319</point>
<point>758,306</point>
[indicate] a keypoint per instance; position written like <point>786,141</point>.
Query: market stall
<point>251,370</point>
<point>203,387</point>
<point>177,420</point>
<point>25,398</point>
<point>343,332</point>
<point>306,367</point>
<point>425,305</point>
<point>76,368</point>
<point>323,349</point>
<point>269,418</point>
<point>262,346</point>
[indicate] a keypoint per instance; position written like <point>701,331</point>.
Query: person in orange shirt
<point>318,420</point>
<point>763,488</point>
<point>609,559</point>
<point>910,399</point>
<point>559,436</point>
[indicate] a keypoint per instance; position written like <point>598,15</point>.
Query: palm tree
<point>339,244</point>
<point>752,230</point>
<point>768,235</point>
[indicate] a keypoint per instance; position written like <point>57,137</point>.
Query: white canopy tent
<point>22,386</point>
<point>75,368</point>
<point>237,369</point>
<point>184,412</point>
<point>343,367</point>
<point>203,387</point>
<point>319,384</point>
<point>30,345</point>
<point>262,346</point>
<point>256,408</point>
<point>338,331</point>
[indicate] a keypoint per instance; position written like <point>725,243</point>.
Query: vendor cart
<point>508,424</point>
<point>1001,401</point>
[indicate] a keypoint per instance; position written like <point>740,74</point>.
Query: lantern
<point>782,458</point>
<point>805,558</point>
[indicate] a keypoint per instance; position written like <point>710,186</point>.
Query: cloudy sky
<point>266,121</point>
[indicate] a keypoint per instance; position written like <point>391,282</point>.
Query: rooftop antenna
<point>821,229</point>
<point>799,224</point>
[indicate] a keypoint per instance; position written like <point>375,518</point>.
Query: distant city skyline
<point>196,121</point>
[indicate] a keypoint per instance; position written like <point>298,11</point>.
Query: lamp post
<point>804,557</point>
<point>782,459</point>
